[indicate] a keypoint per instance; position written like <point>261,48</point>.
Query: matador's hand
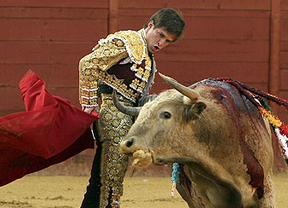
<point>90,109</point>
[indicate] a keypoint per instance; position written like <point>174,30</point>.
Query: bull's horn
<point>132,111</point>
<point>190,93</point>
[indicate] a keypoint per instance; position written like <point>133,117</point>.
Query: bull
<point>219,138</point>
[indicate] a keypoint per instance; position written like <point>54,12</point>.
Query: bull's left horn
<point>132,111</point>
<point>190,93</point>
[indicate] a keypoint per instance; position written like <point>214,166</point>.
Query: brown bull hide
<point>224,149</point>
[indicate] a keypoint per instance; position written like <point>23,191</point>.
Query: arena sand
<point>67,192</point>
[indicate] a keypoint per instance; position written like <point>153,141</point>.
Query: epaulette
<point>133,42</point>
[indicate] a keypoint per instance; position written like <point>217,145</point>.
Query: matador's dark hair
<point>171,20</point>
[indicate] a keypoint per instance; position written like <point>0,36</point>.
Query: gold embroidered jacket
<point>123,47</point>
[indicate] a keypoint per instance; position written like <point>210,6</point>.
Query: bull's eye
<point>165,115</point>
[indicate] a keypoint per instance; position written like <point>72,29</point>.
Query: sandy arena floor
<point>67,192</point>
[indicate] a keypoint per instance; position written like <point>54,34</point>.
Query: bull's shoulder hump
<point>211,82</point>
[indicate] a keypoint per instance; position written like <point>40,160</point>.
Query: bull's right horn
<point>190,93</point>
<point>132,111</point>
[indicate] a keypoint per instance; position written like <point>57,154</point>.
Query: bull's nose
<point>126,145</point>
<point>129,142</point>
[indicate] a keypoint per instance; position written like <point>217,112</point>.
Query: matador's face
<point>157,38</point>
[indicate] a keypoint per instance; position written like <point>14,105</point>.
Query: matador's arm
<point>104,56</point>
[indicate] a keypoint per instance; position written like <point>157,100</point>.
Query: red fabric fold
<point>50,131</point>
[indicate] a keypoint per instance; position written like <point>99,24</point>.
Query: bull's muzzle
<point>126,146</point>
<point>142,157</point>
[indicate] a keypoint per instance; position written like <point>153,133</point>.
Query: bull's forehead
<point>169,95</point>
<point>164,97</point>
<point>167,99</point>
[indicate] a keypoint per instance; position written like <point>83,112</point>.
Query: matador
<point>122,61</point>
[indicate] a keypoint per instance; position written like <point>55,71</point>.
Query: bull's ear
<point>196,110</point>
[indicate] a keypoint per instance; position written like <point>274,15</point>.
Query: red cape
<point>50,131</point>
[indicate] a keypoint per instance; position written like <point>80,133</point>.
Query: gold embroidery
<point>119,43</point>
<point>140,72</point>
<point>135,83</point>
<point>112,80</point>
<point>146,75</point>
<point>142,85</point>
<point>107,53</point>
<point>113,164</point>
<point>134,44</point>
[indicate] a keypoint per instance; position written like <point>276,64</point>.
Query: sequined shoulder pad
<point>131,40</point>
